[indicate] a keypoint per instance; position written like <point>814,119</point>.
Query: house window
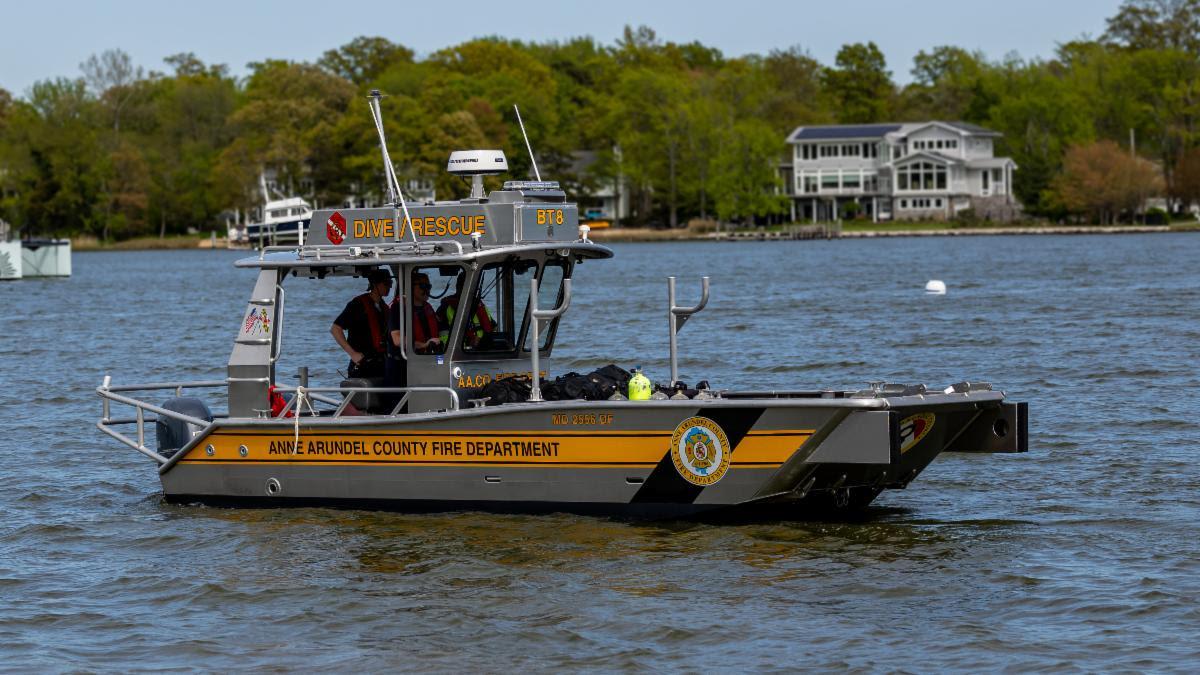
<point>829,181</point>
<point>952,143</point>
<point>937,203</point>
<point>810,183</point>
<point>851,150</point>
<point>904,203</point>
<point>921,176</point>
<point>829,150</point>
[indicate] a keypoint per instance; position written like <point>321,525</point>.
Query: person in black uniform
<point>365,320</point>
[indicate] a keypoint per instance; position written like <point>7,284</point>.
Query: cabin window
<point>434,293</point>
<point>490,327</point>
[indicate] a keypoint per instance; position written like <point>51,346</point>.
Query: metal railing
<point>344,252</point>
<point>315,393</point>
<point>109,395</point>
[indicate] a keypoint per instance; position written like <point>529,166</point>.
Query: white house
<point>925,170</point>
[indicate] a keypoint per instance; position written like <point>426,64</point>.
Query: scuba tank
<point>639,386</point>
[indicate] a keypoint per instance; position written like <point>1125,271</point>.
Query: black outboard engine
<point>173,434</point>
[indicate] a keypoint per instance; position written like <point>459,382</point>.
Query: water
<point>1083,554</point>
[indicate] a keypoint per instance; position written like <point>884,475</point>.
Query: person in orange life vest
<point>365,320</point>
<point>479,325</point>
<point>426,328</point>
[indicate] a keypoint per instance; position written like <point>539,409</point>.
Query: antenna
<point>528,147</point>
<point>394,190</point>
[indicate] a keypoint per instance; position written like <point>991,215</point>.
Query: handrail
<point>108,393</point>
<point>677,316</point>
<point>277,336</point>
<point>537,316</point>
<point>375,248</point>
<point>345,402</point>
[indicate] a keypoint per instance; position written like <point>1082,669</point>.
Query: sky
<point>45,39</point>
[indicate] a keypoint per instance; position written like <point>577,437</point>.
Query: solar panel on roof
<point>846,131</point>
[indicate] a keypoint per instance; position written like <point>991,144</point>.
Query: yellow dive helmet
<point>639,386</point>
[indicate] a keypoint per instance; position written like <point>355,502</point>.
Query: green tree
<point>290,111</point>
<point>946,85</point>
<point>795,95</point>
<point>1156,24</point>
<point>745,183</point>
<point>364,59</point>
<point>860,84</point>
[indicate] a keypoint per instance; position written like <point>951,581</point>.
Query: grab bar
<point>677,316</point>
<point>539,315</point>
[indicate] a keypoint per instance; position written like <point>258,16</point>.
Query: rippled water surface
<point>1083,553</point>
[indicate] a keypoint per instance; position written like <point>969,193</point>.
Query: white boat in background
<point>31,258</point>
<point>285,221</point>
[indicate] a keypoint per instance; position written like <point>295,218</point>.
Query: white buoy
<point>935,287</point>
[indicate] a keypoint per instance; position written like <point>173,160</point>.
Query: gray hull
<point>592,457</point>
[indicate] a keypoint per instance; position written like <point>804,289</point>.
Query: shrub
<point>1157,216</point>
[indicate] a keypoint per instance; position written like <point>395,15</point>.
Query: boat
<point>447,440</point>
<point>32,257</point>
<point>285,220</point>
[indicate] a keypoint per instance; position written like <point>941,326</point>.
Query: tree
<point>1156,24</point>
<point>289,115</point>
<point>860,84</point>
<point>1103,181</point>
<point>652,110</point>
<point>745,183</point>
<point>113,79</point>
<point>1186,188</point>
<point>111,75</point>
<point>364,59</point>
<point>795,94</point>
<point>1040,115</point>
<point>946,85</point>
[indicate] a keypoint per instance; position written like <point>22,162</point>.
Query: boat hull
<point>619,458</point>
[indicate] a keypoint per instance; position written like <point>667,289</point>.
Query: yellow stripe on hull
<point>480,448</point>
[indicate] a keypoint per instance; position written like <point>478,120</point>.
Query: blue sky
<point>49,38</point>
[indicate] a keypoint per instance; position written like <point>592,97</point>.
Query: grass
<point>90,243</point>
<point>904,226</point>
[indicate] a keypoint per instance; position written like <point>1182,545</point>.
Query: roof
<point>871,131</point>
<point>428,253</point>
<point>842,131</point>
<point>990,163</point>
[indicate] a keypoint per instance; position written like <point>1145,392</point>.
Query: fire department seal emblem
<point>700,451</point>
<point>335,228</point>
<point>913,429</point>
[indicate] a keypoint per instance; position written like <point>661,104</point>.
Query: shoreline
<point>646,235</point>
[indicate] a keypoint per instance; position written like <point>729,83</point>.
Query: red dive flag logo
<point>335,228</point>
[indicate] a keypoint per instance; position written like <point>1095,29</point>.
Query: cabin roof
<point>429,253</point>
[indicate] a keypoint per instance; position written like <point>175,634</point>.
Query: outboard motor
<point>173,434</point>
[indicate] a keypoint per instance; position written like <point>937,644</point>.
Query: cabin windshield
<point>495,317</point>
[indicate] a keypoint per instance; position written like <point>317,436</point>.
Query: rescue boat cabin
<point>481,254</point>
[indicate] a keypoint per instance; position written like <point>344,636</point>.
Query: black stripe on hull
<point>665,485</point>
<point>807,509</point>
